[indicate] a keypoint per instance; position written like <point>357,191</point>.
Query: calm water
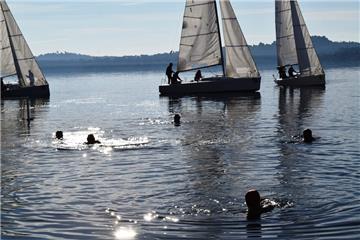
<point>152,180</point>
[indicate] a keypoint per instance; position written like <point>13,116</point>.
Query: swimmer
<point>59,135</point>
<point>177,119</point>
<point>91,139</point>
<point>307,136</point>
<point>256,205</point>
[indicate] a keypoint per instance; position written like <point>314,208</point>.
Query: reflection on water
<point>151,180</point>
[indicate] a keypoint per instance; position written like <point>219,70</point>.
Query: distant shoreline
<point>331,54</point>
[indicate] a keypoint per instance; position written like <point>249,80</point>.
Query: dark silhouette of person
<point>282,72</point>
<point>2,85</point>
<point>175,78</point>
<point>31,78</point>
<point>59,135</point>
<point>292,72</point>
<point>169,72</point>
<point>198,76</point>
<point>256,205</point>
<point>177,119</point>
<point>307,136</point>
<point>91,139</point>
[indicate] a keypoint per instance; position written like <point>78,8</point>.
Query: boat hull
<point>212,85</point>
<point>14,91</point>
<point>302,81</point>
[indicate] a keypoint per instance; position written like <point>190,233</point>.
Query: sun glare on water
<point>125,233</point>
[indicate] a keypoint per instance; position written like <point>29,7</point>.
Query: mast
<point>220,43</point>
<point>16,63</point>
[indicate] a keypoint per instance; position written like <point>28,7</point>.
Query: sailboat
<point>201,47</point>
<point>295,48</point>
<point>17,61</point>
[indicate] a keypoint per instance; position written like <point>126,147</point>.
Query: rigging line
<point>305,48</point>
<point>285,10</point>
<point>285,36</point>
<point>299,25</point>
<point>240,45</point>
<point>16,35</point>
<point>186,45</point>
<point>24,59</point>
<point>202,34</point>
<point>198,4</point>
<point>192,17</point>
<point>233,18</point>
<point>5,48</point>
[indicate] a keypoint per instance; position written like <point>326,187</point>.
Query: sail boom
<point>10,75</point>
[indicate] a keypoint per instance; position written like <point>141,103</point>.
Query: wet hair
<point>307,135</point>
<point>177,118</point>
<point>59,135</point>
<point>252,199</point>
<point>91,139</point>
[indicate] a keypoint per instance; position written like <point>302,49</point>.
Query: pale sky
<point>123,27</point>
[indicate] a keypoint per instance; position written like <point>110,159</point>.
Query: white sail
<point>200,42</point>
<point>239,61</point>
<point>309,62</point>
<point>28,70</point>
<point>7,66</point>
<point>285,41</point>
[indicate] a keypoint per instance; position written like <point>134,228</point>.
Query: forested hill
<point>330,53</point>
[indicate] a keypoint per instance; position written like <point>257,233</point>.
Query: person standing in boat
<point>2,85</point>
<point>292,72</point>
<point>169,72</point>
<point>31,78</point>
<point>175,78</point>
<point>198,76</point>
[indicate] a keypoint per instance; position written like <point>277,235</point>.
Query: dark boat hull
<point>302,81</point>
<point>14,91</point>
<point>212,85</point>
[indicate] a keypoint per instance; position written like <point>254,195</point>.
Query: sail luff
<point>199,43</point>
<point>309,62</point>
<point>16,63</point>
<point>285,40</point>
<point>7,66</point>
<point>220,44</point>
<point>239,61</point>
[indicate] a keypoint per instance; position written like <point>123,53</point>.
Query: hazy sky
<point>123,27</point>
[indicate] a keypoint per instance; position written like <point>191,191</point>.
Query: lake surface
<point>151,180</point>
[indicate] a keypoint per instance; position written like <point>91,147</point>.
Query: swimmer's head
<point>307,135</point>
<point>59,135</point>
<point>90,139</point>
<point>252,199</point>
<point>177,118</point>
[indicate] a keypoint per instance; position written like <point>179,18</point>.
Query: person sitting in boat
<point>59,135</point>
<point>256,205</point>
<point>307,136</point>
<point>169,72</point>
<point>31,78</point>
<point>292,72</point>
<point>198,76</point>
<point>175,78</point>
<point>282,72</point>
<point>91,140</point>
